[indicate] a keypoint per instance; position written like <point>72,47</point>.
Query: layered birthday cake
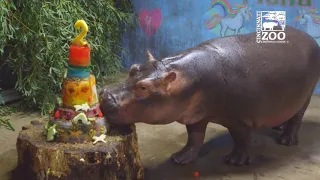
<point>77,117</point>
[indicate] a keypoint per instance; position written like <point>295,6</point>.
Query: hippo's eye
<point>143,88</point>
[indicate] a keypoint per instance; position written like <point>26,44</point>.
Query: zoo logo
<point>271,26</point>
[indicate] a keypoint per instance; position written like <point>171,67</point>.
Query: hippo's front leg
<point>189,153</point>
<point>241,136</point>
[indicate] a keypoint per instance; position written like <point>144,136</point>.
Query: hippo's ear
<point>133,70</point>
<point>169,77</point>
<point>150,56</point>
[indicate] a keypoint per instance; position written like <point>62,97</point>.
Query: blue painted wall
<point>169,26</point>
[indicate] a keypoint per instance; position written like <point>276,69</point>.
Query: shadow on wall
<point>267,156</point>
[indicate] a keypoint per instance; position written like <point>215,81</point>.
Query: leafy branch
<point>4,113</point>
<point>37,34</point>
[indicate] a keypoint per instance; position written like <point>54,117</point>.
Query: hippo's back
<point>300,51</point>
<point>255,80</point>
<point>295,64</point>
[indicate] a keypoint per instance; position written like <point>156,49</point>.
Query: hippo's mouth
<point>118,116</point>
<point>115,111</point>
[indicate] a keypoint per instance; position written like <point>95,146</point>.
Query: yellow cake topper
<point>84,29</point>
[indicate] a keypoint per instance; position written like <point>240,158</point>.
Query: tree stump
<point>117,159</point>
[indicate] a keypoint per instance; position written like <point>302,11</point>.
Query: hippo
<point>231,81</point>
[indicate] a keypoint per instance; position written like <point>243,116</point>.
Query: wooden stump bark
<point>118,159</point>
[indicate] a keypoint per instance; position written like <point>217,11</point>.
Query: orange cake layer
<point>79,91</point>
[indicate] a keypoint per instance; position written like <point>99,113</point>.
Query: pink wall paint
<point>150,21</point>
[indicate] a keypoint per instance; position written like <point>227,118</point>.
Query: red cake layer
<point>79,55</point>
<point>68,132</point>
<point>63,113</point>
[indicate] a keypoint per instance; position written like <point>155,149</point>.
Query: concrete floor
<point>157,143</point>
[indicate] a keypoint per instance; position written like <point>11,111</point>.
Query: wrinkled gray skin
<point>232,81</point>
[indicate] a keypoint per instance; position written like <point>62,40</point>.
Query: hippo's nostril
<point>108,104</point>
<point>111,98</point>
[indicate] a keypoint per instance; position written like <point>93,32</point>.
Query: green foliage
<point>38,35</point>
<point>5,112</point>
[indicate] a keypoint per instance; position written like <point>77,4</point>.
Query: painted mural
<point>311,22</point>
<point>150,21</point>
<point>167,27</point>
<point>229,18</point>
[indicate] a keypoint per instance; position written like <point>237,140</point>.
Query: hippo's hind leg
<point>241,136</point>
<point>189,153</point>
<point>281,127</point>
<point>290,135</point>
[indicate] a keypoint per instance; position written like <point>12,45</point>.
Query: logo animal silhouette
<point>269,25</point>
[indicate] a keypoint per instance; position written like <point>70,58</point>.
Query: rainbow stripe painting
<point>224,4</point>
<point>316,17</point>
<point>227,11</point>
<point>310,20</point>
<point>313,13</point>
<point>228,17</point>
<point>215,18</point>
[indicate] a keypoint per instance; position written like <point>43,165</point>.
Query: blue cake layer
<point>74,72</point>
